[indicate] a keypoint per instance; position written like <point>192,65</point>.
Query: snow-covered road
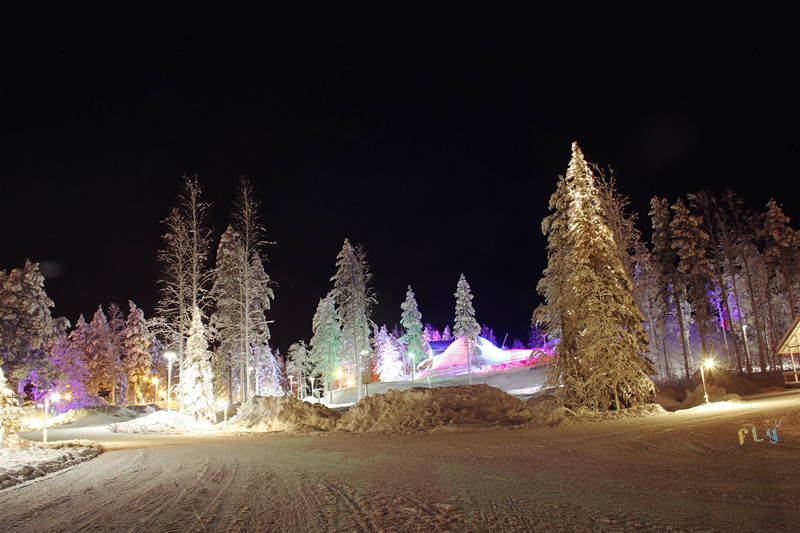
<point>684,471</point>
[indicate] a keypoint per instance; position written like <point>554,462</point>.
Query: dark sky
<point>433,136</point>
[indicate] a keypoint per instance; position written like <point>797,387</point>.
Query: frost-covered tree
<point>268,372</point>
<point>27,328</point>
<point>690,242</point>
<point>136,352</point>
<point>446,335</point>
<point>101,356</point>
<point>411,320</point>
<point>517,344</point>
<point>198,381</point>
<point>299,365</point>
<point>589,300</point>
<point>185,277</point>
<point>466,326</point>
<point>10,413</point>
<point>228,318</point>
<point>488,334</point>
<point>354,300</point>
<point>326,341</point>
<point>782,246</point>
<point>389,357</point>
<point>76,379</point>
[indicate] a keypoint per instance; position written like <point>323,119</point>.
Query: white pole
<point>44,428</point>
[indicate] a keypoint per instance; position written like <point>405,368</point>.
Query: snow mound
<point>283,413</point>
<point>639,411</point>
<point>161,422</point>
<point>422,410</point>
<point>715,394</point>
<point>18,465</point>
<point>92,416</point>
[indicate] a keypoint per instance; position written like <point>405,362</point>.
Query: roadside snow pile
<point>422,409</point>
<point>161,422</point>
<point>93,416</point>
<point>639,411</point>
<point>22,464</point>
<point>283,413</point>
<point>715,394</point>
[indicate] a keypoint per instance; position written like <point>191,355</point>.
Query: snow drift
<point>422,409</point>
<point>283,413</point>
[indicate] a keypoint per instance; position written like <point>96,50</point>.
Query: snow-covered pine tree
<point>517,344</point>
<point>76,380</point>
<point>488,334</point>
<point>600,364</point>
<point>354,300</point>
<point>466,326</point>
<point>197,377</point>
<point>782,246</point>
<point>299,365</point>
<point>256,293</point>
<point>228,317</point>
<point>690,242</point>
<point>136,350</point>
<point>666,260</point>
<point>326,341</point>
<point>411,320</point>
<point>446,335</point>
<point>10,413</point>
<point>27,328</point>
<point>389,357</point>
<point>185,279</point>
<point>268,372</point>
<point>102,357</point>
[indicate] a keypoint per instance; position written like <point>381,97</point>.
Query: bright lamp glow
<point>709,363</point>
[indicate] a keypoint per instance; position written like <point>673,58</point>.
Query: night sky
<point>433,136</point>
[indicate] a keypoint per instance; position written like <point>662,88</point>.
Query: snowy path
<point>684,471</point>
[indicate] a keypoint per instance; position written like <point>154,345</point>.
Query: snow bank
<point>715,394</point>
<point>161,422</point>
<point>22,464</point>
<point>283,413</point>
<point>422,409</point>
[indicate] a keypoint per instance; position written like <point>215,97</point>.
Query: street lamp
<point>169,355</point>
<point>312,386</point>
<point>55,397</point>
<point>709,363</point>
<point>291,384</point>
<point>155,385</point>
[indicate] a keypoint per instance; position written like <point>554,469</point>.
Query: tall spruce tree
<point>197,376</point>
<point>354,300</point>
<point>326,342</point>
<point>411,320</point>
<point>466,326</point>
<point>388,356</point>
<point>589,301</point>
<point>136,359</point>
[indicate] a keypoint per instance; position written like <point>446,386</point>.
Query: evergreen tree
<point>690,242</point>
<point>101,355</point>
<point>76,380</point>
<point>589,301</point>
<point>136,351</point>
<point>782,246</point>
<point>389,358</point>
<point>326,341</point>
<point>197,377</point>
<point>10,413</point>
<point>517,345</point>
<point>299,365</point>
<point>27,328</point>
<point>354,300</point>
<point>466,326</point>
<point>411,320</point>
<point>446,335</point>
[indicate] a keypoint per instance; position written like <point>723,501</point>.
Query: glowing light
<point>350,382</point>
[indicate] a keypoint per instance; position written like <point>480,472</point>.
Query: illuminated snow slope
<point>454,358</point>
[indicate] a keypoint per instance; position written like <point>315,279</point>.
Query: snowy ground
<point>701,469</point>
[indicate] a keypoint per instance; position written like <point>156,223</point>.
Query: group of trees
<point>213,317</point>
<point>716,272</point>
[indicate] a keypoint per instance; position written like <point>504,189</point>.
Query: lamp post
<point>169,355</point>
<point>709,363</point>
<point>55,397</point>
<point>155,386</point>
<point>291,384</point>
<point>411,358</point>
<point>312,386</point>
